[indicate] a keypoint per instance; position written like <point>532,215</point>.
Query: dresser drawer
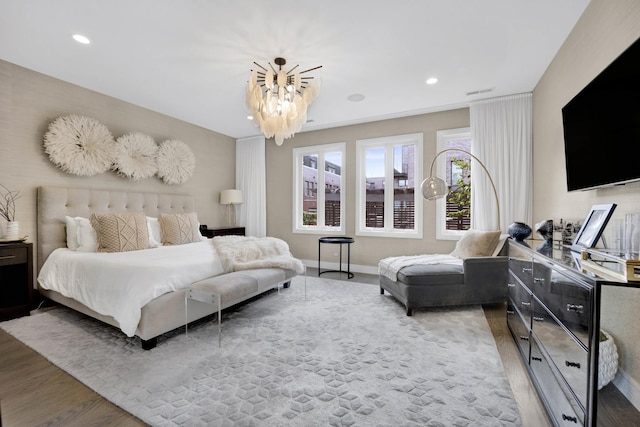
<point>571,303</point>
<point>560,403</point>
<point>520,295</point>
<point>523,270</point>
<point>570,357</point>
<point>519,329</point>
<point>9,256</point>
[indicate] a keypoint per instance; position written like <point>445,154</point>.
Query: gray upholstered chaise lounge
<point>477,280</point>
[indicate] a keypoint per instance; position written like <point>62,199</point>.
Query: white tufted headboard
<point>54,203</point>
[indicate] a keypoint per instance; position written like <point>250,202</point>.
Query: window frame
<point>388,143</point>
<point>298,189</point>
<point>443,138</point>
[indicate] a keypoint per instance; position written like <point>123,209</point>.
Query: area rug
<point>344,356</point>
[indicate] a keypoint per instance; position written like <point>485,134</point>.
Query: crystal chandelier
<point>277,99</point>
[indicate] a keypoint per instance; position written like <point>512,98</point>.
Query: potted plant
<point>8,211</point>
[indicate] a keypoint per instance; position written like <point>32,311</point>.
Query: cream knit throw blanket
<point>389,267</point>
<point>244,253</point>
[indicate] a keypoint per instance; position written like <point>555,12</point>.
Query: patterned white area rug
<point>345,356</point>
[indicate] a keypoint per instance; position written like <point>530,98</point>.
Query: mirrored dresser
<point>553,313</point>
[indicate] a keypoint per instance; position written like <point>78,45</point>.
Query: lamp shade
<point>434,188</point>
<point>230,197</point>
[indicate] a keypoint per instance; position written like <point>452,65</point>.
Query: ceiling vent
<point>478,92</point>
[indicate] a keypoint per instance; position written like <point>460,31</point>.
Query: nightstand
<point>225,231</point>
<point>16,279</point>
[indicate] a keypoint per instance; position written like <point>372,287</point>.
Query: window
<point>456,172</point>
<point>319,211</point>
<point>454,211</point>
<point>389,170</point>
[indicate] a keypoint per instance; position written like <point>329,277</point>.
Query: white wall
<point>366,251</point>
<point>29,101</point>
<point>605,30</point>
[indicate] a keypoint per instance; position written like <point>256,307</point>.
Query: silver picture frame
<point>593,226</point>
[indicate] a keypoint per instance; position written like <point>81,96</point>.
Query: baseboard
<point>629,387</point>
<point>355,268</point>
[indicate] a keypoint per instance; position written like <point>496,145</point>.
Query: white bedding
<point>120,284</point>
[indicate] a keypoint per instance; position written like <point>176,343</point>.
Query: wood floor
<point>33,392</point>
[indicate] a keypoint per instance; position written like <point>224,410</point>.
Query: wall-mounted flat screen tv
<point>602,127</point>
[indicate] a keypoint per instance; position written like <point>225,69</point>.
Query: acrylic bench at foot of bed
<point>233,288</point>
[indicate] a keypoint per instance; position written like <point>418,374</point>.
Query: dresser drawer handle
<point>526,304</point>
<point>510,312</point>
<point>538,318</point>
<point>538,280</point>
<point>576,308</point>
<point>527,269</point>
<point>537,359</point>
<point>523,338</point>
<point>569,418</point>
<point>7,257</point>
<point>511,285</point>
<point>572,364</point>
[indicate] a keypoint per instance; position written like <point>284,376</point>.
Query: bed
<point>162,312</point>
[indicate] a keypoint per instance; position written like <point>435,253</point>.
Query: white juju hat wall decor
<point>80,145</point>
<point>278,100</point>
<point>136,156</point>
<point>176,162</point>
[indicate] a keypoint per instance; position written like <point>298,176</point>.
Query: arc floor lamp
<point>434,187</point>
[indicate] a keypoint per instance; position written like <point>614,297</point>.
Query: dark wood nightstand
<point>16,280</point>
<point>225,231</point>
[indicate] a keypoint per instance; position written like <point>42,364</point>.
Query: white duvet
<point>120,284</point>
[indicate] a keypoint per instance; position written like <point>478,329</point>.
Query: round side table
<point>339,240</point>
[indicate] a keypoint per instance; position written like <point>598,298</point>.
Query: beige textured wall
<point>29,101</point>
<point>366,251</point>
<point>605,30</point>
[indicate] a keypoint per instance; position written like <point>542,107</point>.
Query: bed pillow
<point>121,232</point>
<point>72,232</point>
<point>87,239</point>
<point>154,232</point>
<point>178,229</point>
<point>474,243</point>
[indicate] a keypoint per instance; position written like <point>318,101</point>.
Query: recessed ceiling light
<point>432,80</point>
<point>356,97</point>
<point>81,39</point>
<point>249,117</point>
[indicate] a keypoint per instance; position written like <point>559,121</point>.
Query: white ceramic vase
<point>12,231</point>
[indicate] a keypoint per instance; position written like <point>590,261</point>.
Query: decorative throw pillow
<point>500,244</point>
<point>476,243</point>
<point>178,229</point>
<point>120,232</point>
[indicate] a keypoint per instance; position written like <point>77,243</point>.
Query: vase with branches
<point>8,203</point>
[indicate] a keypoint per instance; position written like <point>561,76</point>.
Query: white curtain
<point>251,180</point>
<point>501,130</point>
